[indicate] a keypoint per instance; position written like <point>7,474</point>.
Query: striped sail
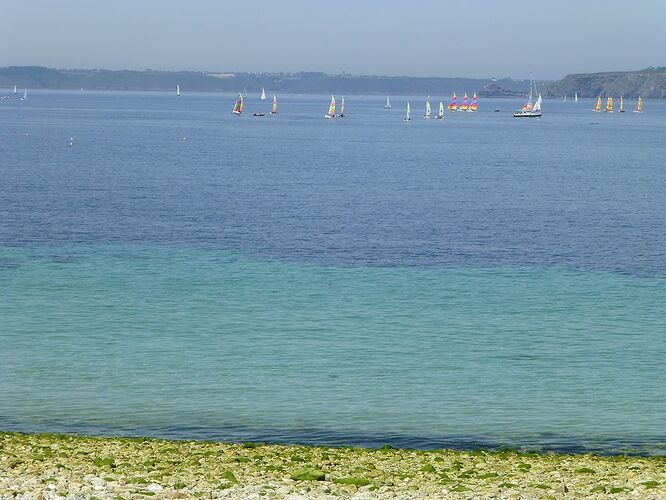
<point>597,108</point>
<point>274,110</point>
<point>453,105</point>
<point>609,104</point>
<point>331,108</point>
<point>639,105</point>
<point>474,105</point>
<point>238,108</point>
<point>464,106</point>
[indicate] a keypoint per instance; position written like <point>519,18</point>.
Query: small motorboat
<point>259,114</point>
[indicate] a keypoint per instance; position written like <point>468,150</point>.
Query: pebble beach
<point>50,466</point>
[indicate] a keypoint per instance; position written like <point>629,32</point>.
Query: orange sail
<point>609,104</point>
<point>464,105</point>
<point>597,108</point>
<point>639,105</point>
<point>453,103</point>
<point>331,108</point>
<point>474,106</point>
<point>274,110</point>
<point>238,108</point>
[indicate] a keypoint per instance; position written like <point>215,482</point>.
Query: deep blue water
<point>479,281</point>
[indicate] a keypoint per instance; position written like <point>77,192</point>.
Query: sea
<point>169,269</point>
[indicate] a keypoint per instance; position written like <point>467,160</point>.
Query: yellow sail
<point>274,110</point>
<point>609,104</point>
<point>238,108</point>
<point>597,108</point>
<point>331,108</point>
<point>639,105</point>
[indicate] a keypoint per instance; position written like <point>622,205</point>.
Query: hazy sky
<point>476,38</point>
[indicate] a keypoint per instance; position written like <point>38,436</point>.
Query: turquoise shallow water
<point>479,281</point>
<point>208,342</point>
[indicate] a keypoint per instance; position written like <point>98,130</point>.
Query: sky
<point>467,38</point>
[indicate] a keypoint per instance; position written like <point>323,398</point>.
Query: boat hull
<point>527,114</point>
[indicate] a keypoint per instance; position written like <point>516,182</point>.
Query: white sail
<point>15,89</point>
<point>263,94</point>
<point>537,104</point>
<point>408,116</point>
<point>388,103</point>
<point>576,97</point>
<point>25,95</point>
<point>177,89</point>
<point>427,108</point>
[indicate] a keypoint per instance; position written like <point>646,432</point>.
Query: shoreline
<point>53,466</point>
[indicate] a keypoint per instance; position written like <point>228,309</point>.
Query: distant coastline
<point>38,77</point>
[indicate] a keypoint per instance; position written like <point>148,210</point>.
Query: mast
<point>274,110</point>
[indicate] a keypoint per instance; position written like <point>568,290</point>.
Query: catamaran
<point>609,104</point>
<point>263,94</point>
<point>464,105</point>
<point>639,105</point>
<point>597,107</point>
<point>238,108</point>
<point>274,110</point>
<point>530,110</point>
<point>621,104</point>
<point>388,103</point>
<point>426,115</point>
<point>25,95</point>
<point>440,113</point>
<point>453,103</point>
<point>408,115</point>
<point>342,108</point>
<point>473,107</point>
<point>178,90</point>
<point>331,109</point>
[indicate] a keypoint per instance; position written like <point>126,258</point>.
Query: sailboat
<point>426,115</point>
<point>464,105</point>
<point>453,103</point>
<point>609,104</point>
<point>475,104</point>
<point>25,95</point>
<point>342,108</point>
<point>331,109</point>
<point>274,110</point>
<point>238,108</point>
<point>565,98</point>
<point>263,94</point>
<point>178,90</point>
<point>408,116</point>
<point>388,103</point>
<point>440,113</point>
<point>530,110</point>
<point>15,91</point>
<point>639,105</point>
<point>597,108</point>
<point>244,94</point>
<point>576,97</point>
<point>621,104</point>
